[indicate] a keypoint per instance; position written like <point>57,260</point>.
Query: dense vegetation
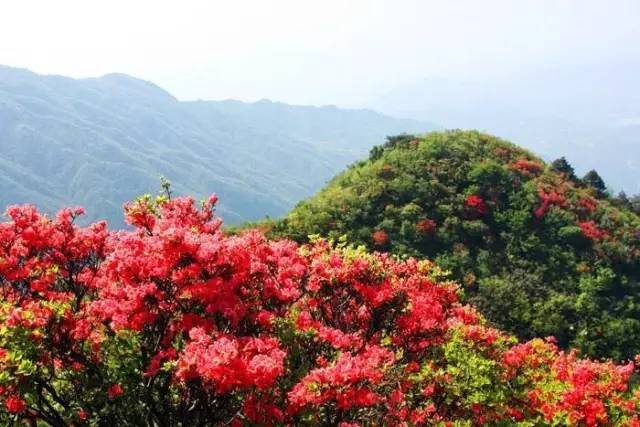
<point>102,141</point>
<point>177,324</point>
<point>539,251</point>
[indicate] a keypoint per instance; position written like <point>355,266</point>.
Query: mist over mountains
<point>589,113</point>
<point>99,142</point>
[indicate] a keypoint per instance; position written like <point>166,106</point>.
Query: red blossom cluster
<point>114,391</point>
<point>586,384</point>
<point>426,226</point>
<point>380,238</point>
<point>527,167</point>
<point>14,404</point>
<point>386,172</point>
<point>588,205</point>
<point>547,200</point>
<point>176,323</point>
<point>503,153</point>
<point>228,363</point>
<point>591,231</point>
<point>476,205</point>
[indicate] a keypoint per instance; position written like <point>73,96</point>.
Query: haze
<point>340,52</point>
<point>558,77</point>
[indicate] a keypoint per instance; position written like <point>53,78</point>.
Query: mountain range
<point>98,142</point>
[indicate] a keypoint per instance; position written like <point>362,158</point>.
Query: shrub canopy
<point>537,251</point>
<point>174,323</point>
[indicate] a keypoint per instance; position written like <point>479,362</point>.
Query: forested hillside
<point>538,250</point>
<point>101,141</point>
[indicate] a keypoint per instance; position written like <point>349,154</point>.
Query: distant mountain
<point>590,114</point>
<point>99,142</point>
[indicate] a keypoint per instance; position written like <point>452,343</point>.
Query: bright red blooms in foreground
<point>176,323</point>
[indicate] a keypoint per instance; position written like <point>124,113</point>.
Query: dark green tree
<point>401,141</point>
<point>635,203</point>
<point>592,179</point>
<point>622,200</point>
<point>376,152</point>
<point>562,166</point>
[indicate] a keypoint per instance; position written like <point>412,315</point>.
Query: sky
<point>342,52</point>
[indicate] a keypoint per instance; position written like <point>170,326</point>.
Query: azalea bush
<point>175,323</point>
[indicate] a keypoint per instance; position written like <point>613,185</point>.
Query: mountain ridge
<point>101,141</point>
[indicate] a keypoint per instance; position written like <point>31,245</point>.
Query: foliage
<point>562,166</point>
<point>529,244</point>
<point>177,324</point>
<point>593,180</point>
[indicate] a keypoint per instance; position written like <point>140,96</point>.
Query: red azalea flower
<point>426,226</point>
<point>114,391</point>
<point>15,404</point>
<point>591,231</point>
<point>476,204</point>
<point>380,238</point>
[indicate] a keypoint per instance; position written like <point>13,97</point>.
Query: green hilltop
<point>538,250</point>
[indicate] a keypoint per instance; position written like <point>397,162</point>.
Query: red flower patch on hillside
<point>426,227</point>
<point>380,238</point>
<point>588,205</point>
<point>175,321</point>
<point>547,200</point>
<point>591,231</point>
<point>476,205</point>
<point>527,167</point>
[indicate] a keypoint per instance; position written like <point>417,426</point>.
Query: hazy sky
<point>343,52</point>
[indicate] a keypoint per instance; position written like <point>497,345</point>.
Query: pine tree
<point>592,179</point>
<point>561,165</point>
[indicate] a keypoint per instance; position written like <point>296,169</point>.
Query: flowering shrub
<point>176,323</point>
<point>426,226</point>
<point>527,167</point>
<point>508,229</point>
<point>380,238</point>
<point>387,172</point>
<point>547,200</point>
<point>588,205</point>
<point>590,230</point>
<point>475,205</point>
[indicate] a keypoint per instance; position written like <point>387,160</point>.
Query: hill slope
<point>539,252</point>
<point>99,142</point>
